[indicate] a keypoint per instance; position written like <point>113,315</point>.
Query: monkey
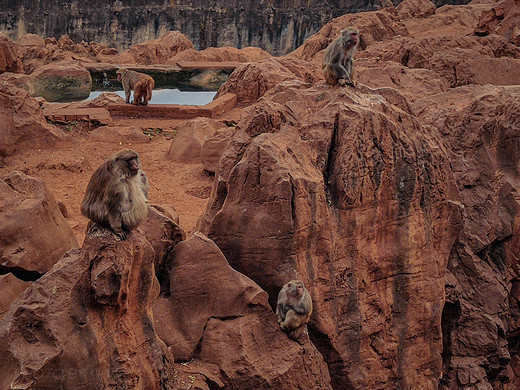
<point>338,60</point>
<point>293,308</point>
<point>141,83</point>
<point>116,195</point>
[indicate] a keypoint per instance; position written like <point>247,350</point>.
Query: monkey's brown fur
<point>115,196</point>
<point>293,308</point>
<point>338,60</point>
<point>140,83</point>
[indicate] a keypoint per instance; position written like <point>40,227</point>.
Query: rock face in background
<point>276,26</point>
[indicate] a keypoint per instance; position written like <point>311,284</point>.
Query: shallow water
<point>170,96</point>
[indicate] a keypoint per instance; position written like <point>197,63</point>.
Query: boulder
<point>250,81</point>
<point>11,287</point>
<point>417,9</point>
<point>23,124</point>
<point>25,201</point>
<point>502,19</point>
<point>218,316</point>
<point>88,323</point>
<point>220,54</point>
<point>189,138</point>
<point>157,51</point>
<point>213,148</point>
<point>9,57</point>
<point>64,81</point>
<point>118,134</point>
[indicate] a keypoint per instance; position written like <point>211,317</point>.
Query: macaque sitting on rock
<point>294,308</point>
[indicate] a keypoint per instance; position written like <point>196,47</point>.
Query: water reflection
<point>170,96</point>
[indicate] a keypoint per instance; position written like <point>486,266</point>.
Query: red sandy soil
<point>185,187</point>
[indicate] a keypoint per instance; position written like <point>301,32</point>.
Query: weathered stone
<point>25,201</point>
<point>9,58</point>
<point>215,314</point>
<point>157,51</point>
<point>481,320</point>
<point>213,148</point>
<point>63,81</point>
<point>88,322</point>
<point>351,194</point>
<point>189,138</point>
<point>23,124</point>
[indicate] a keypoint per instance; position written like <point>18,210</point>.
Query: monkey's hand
<point>341,82</point>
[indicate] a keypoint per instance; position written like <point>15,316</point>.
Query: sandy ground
<point>67,168</point>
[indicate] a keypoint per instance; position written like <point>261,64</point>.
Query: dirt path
<point>66,170</point>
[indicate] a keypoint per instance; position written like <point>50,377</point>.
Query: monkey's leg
<point>127,95</point>
<point>292,321</point>
<point>115,224</point>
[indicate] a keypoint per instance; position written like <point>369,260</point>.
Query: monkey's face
<point>296,289</point>
<point>120,73</point>
<point>350,36</point>
<point>133,166</point>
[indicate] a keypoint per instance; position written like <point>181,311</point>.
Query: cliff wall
<point>278,26</point>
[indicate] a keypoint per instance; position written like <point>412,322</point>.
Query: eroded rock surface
<point>23,124</point>
<point>88,322</point>
<point>216,315</point>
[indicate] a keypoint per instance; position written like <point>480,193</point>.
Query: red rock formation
<point>481,318</point>
<point>88,323</point>
<point>214,314</point>
<point>503,19</point>
<point>23,124</point>
<point>250,81</point>
<point>189,137</point>
<point>64,81</point>
<point>9,58</point>
<point>220,54</point>
<point>157,51</point>
<point>351,194</point>
<point>25,201</point>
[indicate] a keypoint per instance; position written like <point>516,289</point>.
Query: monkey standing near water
<point>116,194</point>
<point>293,308</point>
<point>141,83</point>
<point>338,60</point>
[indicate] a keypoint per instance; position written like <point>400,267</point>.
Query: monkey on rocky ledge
<point>116,196</point>
<point>338,60</point>
<point>293,308</point>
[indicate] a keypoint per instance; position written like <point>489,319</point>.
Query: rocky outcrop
<point>213,314</point>
<point>189,138</point>
<point>481,129</point>
<point>65,81</point>
<point>36,51</point>
<point>503,19</point>
<point>88,322</point>
<point>250,81</point>
<point>300,188</point>
<point>220,54</point>
<point>26,254</point>
<point>9,58</point>
<point>157,51</point>
<point>23,124</point>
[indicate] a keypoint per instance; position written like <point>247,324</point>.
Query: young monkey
<point>338,60</point>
